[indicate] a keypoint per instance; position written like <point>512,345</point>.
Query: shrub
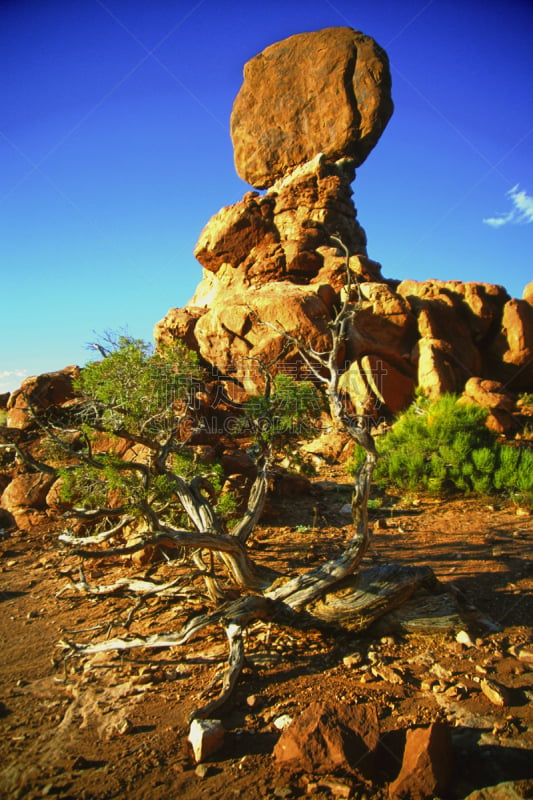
<point>442,445</point>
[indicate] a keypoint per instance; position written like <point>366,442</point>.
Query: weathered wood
<point>230,676</point>
<point>359,600</point>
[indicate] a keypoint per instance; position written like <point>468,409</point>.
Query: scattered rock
<point>495,692</point>
<point>206,736</point>
<point>463,637</point>
<point>427,764</point>
<point>326,737</point>
<point>353,660</point>
<point>525,654</point>
<point>510,790</point>
<point>283,722</point>
<point>202,770</point>
<point>389,674</point>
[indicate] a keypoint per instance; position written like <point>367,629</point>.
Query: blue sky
<point>115,151</point>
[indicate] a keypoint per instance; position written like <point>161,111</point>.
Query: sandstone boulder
<point>493,396</point>
<point>25,494</point>
<point>231,235</point>
<point>232,332</point>
<point>327,737</point>
<point>383,324</point>
<point>479,306</point>
<point>437,368</point>
<point>376,387</point>
<point>511,357</point>
<point>510,790</point>
<point>322,92</point>
<point>40,392</point>
<point>528,293</point>
<point>179,325</point>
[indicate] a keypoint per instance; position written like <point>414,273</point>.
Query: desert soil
<point>116,726</point>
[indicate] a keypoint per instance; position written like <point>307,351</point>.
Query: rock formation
<point>322,92</point>
<point>309,111</point>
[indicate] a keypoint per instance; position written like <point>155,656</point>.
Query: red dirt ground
<point>116,726</point>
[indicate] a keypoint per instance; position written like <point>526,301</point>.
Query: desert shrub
<point>444,446</point>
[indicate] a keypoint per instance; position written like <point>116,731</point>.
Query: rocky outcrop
<point>322,92</point>
<point>310,109</point>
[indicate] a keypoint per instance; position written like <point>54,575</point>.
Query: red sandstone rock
<point>179,325</point>
<point>527,294</point>
<point>436,368</point>
<point>326,737</point>
<point>426,766</point>
<point>25,494</point>
<point>42,392</point>
<point>384,324</point>
<point>493,396</point>
<point>376,387</point>
<point>322,92</point>
<point>231,332</point>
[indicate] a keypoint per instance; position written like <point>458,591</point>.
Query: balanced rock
<point>322,92</point>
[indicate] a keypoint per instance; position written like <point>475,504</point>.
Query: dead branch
<point>230,676</point>
<point>134,586</point>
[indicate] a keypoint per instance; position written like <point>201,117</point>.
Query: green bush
<point>444,446</point>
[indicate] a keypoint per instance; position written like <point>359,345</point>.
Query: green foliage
<point>128,431</point>
<point>442,445</point>
<point>139,390</point>
<point>291,409</point>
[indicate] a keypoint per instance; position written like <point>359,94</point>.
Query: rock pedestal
<point>309,111</point>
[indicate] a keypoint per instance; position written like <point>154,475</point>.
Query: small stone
<point>202,770</point>
<point>124,726</point>
<point>337,788</point>
<point>282,722</point>
<point>526,654</point>
<point>352,660</point>
<point>463,637</point>
<point>206,736</point>
<point>346,510</point>
<point>389,674</point>
<point>495,692</point>
<point>254,701</point>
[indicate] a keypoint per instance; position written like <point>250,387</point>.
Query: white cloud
<point>10,379</point>
<point>520,214</point>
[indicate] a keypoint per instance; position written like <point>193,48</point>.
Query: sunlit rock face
<point>328,92</point>
<point>309,112</point>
